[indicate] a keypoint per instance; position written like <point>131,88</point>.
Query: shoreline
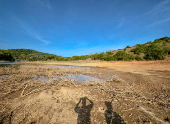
<point>141,67</point>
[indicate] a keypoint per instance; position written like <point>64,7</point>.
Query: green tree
<point>6,55</point>
<point>155,51</point>
<point>120,55</point>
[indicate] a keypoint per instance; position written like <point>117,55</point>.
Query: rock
<point>101,109</point>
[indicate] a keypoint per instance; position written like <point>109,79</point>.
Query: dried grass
<point>127,97</point>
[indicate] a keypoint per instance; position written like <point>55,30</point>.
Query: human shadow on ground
<point>83,111</point>
<point>6,119</point>
<point>111,116</point>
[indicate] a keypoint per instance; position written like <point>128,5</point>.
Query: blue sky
<point>79,27</point>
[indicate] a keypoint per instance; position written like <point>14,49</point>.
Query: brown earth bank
<point>141,67</point>
<point>132,92</point>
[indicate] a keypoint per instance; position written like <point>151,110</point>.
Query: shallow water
<point>14,63</point>
<point>42,78</point>
<point>5,76</point>
<point>9,63</point>
<point>82,78</point>
<point>83,67</point>
<point>77,78</point>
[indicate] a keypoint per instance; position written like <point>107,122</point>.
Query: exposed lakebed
<point>63,66</point>
<point>83,67</point>
<point>77,78</point>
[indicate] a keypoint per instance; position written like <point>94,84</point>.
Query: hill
<point>156,50</point>
<point>30,55</point>
<point>6,55</point>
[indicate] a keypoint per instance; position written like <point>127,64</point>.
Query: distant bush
<point>138,58</point>
<point>139,49</point>
<point>6,55</point>
<point>120,55</point>
<point>128,46</point>
<point>167,50</point>
<point>109,53</point>
<point>155,51</point>
<point>29,54</point>
<point>50,57</point>
<point>149,42</point>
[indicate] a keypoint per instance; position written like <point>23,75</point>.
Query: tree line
<point>6,55</point>
<point>156,50</point>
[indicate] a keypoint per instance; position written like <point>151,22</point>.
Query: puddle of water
<point>5,76</point>
<point>83,67</point>
<point>77,78</point>
<point>42,78</point>
<point>2,64</point>
<point>82,78</point>
<point>9,63</point>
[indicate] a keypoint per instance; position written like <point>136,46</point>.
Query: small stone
<point>58,101</point>
<point>101,109</point>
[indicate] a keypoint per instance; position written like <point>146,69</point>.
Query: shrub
<point>6,55</point>
<point>167,50</point>
<point>120,55</point>
<point>128,46</point>
<point>155,52</point>
<point>139,49</point>
<point>138,58</point>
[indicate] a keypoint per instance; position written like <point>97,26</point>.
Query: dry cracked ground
<point>41,94</point>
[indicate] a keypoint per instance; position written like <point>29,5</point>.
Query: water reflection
<point>42,78</point>
<point>77,78</point>
<point>82,78</point>
<point>9,63</point>
<point>83,67</point>
<point>83,111</point>
<point>5,76</point>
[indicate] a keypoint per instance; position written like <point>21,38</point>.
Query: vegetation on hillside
<point>156,50</point>
<point>6,55</point>
<point>29,55</point>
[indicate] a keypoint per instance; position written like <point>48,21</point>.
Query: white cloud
<point>31,31</point>
<point>162,11</point>
<point>80,44</point>
<point>161,7</point>
<point>121,22</point>
<point>158,22</point>
<point>40,39</point>
<point>93,50</point>
<point>44,3</point>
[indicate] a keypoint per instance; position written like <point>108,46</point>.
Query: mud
<point>123,97</point>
